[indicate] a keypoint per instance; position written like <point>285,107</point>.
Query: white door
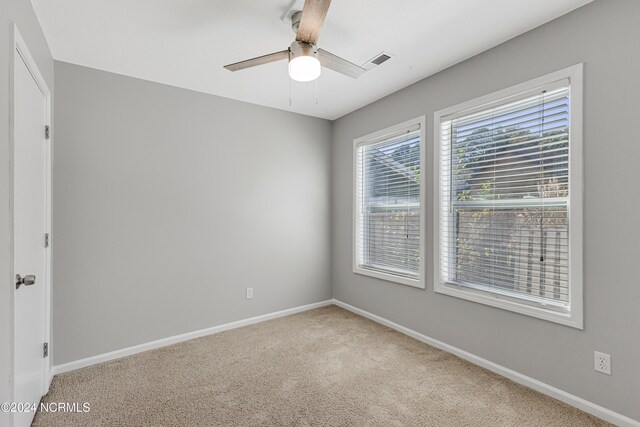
<point>30,222</point>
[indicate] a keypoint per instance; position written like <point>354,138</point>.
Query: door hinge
<point>46,240</point>
<point>45,349</point>
<point>47,132</point>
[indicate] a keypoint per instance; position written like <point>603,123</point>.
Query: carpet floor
<point>325,367</point>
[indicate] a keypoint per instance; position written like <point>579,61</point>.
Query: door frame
<point>19,46</point>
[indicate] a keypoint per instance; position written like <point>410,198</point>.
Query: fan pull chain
<point>289,80</point>
<point>316,91</point>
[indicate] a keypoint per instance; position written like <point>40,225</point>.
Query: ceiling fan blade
<point>335,63</point>
<point>313,15</point>
<point>259,60</point>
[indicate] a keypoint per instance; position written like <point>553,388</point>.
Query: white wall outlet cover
<point>249,293</point>
<point>602,362</point>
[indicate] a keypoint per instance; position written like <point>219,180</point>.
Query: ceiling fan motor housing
<point>302,49</point>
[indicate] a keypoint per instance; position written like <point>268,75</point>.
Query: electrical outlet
<point>602,362</point>
<point>249,293</point>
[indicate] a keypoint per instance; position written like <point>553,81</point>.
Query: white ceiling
<point>185,43</point>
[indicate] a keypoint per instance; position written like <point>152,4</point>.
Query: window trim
<point>371,139</point>
<point>574,316</point>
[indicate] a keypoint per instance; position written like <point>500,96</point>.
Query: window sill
<point>571,319</point>
<point>415,283</point>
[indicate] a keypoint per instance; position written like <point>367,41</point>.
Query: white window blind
<point>387,204</point>
<point>504,198</point>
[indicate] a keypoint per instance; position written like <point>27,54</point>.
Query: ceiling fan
<point>305,59</point>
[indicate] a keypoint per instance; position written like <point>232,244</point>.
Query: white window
<point>388,209</point>
<point>509,218</point>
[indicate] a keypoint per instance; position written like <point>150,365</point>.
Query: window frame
<point>373,138</point>
<point>574,316</point>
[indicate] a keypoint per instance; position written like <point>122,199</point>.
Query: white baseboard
<point>563,396</point>
<point>117,354</point>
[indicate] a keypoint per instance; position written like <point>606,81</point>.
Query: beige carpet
<point>325,367</point>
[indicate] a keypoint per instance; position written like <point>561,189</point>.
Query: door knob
<point>27,280</point>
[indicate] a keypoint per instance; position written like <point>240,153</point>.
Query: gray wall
<point>605,35</point>
<point>20,12</point>
<point>169,203</point>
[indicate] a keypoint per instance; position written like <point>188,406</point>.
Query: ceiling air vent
<point>376,60</point>
<point>380,59</point>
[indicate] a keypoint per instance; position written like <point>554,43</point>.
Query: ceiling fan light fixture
<point>304,68</point>
<point>304,65</point>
